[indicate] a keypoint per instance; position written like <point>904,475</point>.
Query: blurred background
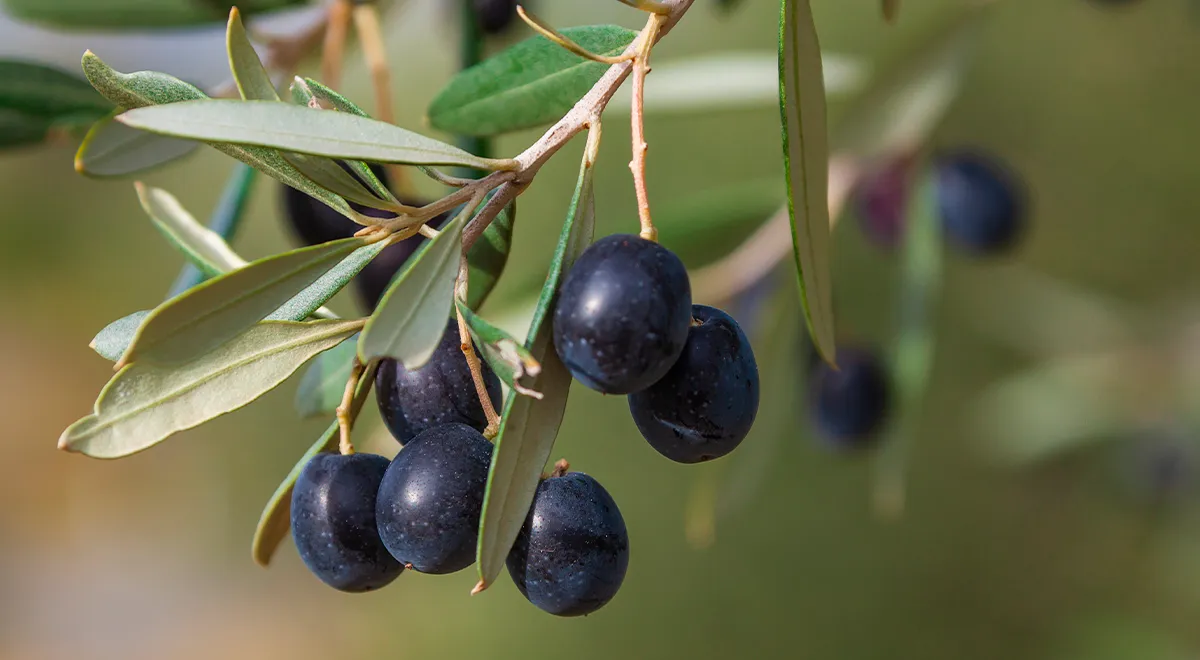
<point>1051,506</point>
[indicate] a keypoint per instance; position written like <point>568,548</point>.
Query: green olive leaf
<point>112,342</point>
<point>203,247</point>
<point>530,425</point>
<point>293,128</point>
<point>489,255</point>
<point>206,316</point>
<point>276,518</point>
<point>145,403</point>
<point>324,381</point>
<point>806,160</point>
<point>111,148</point>
<point>249,74</point>
<point>507,357</point>
<point>531,83</point>
<point>132,14</point>
<point>411,317</point>
<point>150,88</point>
<point>309,300</point>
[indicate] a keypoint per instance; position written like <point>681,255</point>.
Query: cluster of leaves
<point>225,342</point>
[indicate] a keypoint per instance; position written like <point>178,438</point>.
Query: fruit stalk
<point>468,350</point>
<point>344,417</point>
<point>637,165</point>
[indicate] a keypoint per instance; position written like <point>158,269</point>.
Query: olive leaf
<point>324,381</point>
<point>276,518</point>
<point>206,316</point>
<point>806,161</point>
<point>531,83</point>
<point>249,74</point>
<point>132,14</point>
<point>34,99</point>
<point>149,88</point>
<point>411,317</point>
<point>293,128</point>
<point>112,342</point>
<point>488,256</point>
<point>145,403</point>
<point>530,425</point>
<point>111,148</point>
<point>309,300</point>
<point>508,358</point>
<point>203,247</point>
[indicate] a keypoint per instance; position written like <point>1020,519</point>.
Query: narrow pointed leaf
<point>532,83</point>
<point>300,129</point>
<point>319,292</point>
<point>249,74</point>
<point>411,317</point>
<point>150,88</point>
<point>806,161</point>
<point>326,97</point>
<point>145,403</point>
<point>203,318</point>
<point>112,342</point>
<point>132,14</point>
<point>901,111</point>
<point>507,357</point>
<point>276,518</point>
<point>324,381</point>
<point>111,148</point>
<point>489,255</point>
<point>203,247</point>
<point>329,175</point>
<point>530,425</point>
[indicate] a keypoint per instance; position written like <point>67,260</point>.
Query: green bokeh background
<point>1097,109</point>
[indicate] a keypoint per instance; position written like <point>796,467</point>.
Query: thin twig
<point>345,421</point>
<point>468,351</point>
<point>562,40</point>
<point>335,42</point>
<point>637,165</point>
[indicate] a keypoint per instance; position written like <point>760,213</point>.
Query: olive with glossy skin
<point>441,392</point>
<point>312,222</point>
<point>333,522</point>
<point>705,405</point>
<point>572,553</point>
<point>850,404</point>
<point>980,203</point>
<point>622,314</point>
<point>430,499</point>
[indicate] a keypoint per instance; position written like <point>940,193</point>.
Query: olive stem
<point>637,165</point>
<point>468,351</point>
<point>344,418</point>
<point>542,28</point>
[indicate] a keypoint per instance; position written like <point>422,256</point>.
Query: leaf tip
<point>482,585</point>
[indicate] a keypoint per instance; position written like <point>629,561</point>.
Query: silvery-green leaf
<point>411,317</point>
<point>324,381</point>
<point>530,425</point>
<point>275,521</point>
<point>806,161</point>
<point>204,317</point>
<point>507,357</point>
<point>111,148</point>
<point>203,247</point>
<point>330,176</point>
<point>35,98</point>
<point>489,255</point>
<point>112,342</point>
<point>319,292</point>
<point>300,129</point>
<point>149,88</point>
<point>145,403</point>
<point>249,74</point>
<point>134,14</point>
